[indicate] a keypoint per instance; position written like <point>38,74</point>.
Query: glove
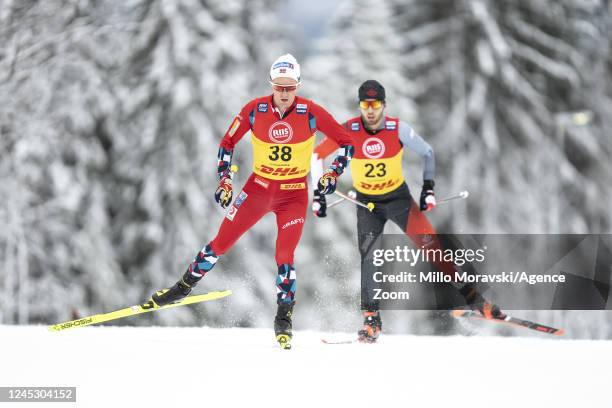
<point>477,302</point>
<point>428,199</point>
<point>327,182</point>
<point>224,193</point>
<point>319,204</point>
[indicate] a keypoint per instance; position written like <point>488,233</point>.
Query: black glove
<point>428,199</point>
<point>319,204</point>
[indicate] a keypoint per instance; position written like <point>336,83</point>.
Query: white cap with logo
<point>285,66</point>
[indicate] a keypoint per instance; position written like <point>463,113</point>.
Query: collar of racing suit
<point>375,131</point>
<point>277,111</point>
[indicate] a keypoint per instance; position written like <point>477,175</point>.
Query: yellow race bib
<point>377,176</point>
<point>282,161</point>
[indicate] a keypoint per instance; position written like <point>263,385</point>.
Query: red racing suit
<point>283,144</point>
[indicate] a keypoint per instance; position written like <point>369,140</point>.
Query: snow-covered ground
<point>188,367</point>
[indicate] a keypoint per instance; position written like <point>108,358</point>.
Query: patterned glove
<point>327,182</point>
<point>224,193</point>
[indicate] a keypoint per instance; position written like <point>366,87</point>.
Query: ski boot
<point>478,303</point>
<point>372,327</point>
<point>488,310</point>
<point>283,325</point>
<point>181,289</point>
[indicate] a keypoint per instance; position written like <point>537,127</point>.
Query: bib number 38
<point>277,152</point>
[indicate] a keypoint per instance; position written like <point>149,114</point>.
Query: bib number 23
<point>380,167</point>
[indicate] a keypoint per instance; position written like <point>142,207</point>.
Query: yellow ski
<point>149,306</point>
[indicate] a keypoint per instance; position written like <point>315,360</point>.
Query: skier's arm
<point>237,129</point>
<point>323,149</point>
<point>335,131</point>
<point>414,142</point>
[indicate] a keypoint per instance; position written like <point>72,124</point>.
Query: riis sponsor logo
<point>291,223</point>
<point>373,148</point>
<point>280,132</point>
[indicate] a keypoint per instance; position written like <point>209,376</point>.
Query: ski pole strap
<point>224,162</point>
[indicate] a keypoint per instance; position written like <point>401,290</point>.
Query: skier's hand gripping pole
<point>428,197</point>
<point>225,191</point>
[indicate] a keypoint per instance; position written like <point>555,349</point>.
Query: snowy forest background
<point>111,113</point>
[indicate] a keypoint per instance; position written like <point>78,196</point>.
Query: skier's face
<point>284,91</point>
<point>372,112</point>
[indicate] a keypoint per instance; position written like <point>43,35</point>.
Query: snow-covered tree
<point>512,95</point>
<point>501,83</point>
<point>110,123</point>
<point>112,113</point>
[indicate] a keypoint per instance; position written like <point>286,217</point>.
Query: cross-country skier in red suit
<point>377,174</point>
<point>283,128</point>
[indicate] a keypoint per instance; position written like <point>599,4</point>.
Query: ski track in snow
<point>185,367</point>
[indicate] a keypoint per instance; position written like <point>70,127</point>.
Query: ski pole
<point>335,203</point>
<point>369,206</point>
<point>463,195</point>
<point>351,194</point>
